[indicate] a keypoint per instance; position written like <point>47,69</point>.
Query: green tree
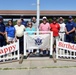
<point>65,20</point>
<point>14,22</point>
<point>75,20</point>
<point>50,20</point>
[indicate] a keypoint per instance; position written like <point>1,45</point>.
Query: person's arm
<point>66,30</point>
<point>74,25</point>
<point>58,27</point>
<point>6,37</point>
<point>72,30</point>
<point>49,27</point>
<point>24,28</point>
<point>15,37</point>
<point>1,33</point>
<point>15,34</point>
<point>34,31</point>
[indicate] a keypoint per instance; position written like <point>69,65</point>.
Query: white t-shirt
<point>19,30</point>
<point>35,25</point>
<point>62,27</point>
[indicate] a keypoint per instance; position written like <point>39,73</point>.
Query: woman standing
<point>30,29</point>
<point>10,32</point>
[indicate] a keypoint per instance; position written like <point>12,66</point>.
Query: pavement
<point>39,66</point>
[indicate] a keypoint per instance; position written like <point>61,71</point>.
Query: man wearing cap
<point>70,29</point>
<point>62,29</point>
<point>45,26</point>
<point>2,32</point>
<point>55,27</point>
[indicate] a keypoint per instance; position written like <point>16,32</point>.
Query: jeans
<point>21,44</point>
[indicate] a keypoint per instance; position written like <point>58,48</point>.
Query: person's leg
<point>63,36</point>
<point>54,52</point>
<point>60,36</point>
<point>53,40</point>
<point>53,43</point>
<point>1,40</point>
<point>57,38</point>
<point>21,50</point>
<point>19,45</point>
<point>22,45</point>
<point>71,38</point>
<point>67,38</point>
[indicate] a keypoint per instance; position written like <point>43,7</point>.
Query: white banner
<point>65,45</point>
<point>38,41</point>
<point>8,49</point>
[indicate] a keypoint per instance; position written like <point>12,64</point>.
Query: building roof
<point>42,12</point>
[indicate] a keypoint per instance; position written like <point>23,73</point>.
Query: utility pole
<point>38,14</point>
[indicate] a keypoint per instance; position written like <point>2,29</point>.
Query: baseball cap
<point>70,17</point>
<point>44,18</point>
<point>60,18</point>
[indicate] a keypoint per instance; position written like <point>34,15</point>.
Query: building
<point>15,14</point>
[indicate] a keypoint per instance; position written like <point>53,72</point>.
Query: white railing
<point>9,52</point>
<point>65,50</point>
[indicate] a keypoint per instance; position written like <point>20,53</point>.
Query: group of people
<point>10,33</point>
<point>61,31</point>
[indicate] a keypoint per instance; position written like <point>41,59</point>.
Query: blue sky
<point>31,4</point>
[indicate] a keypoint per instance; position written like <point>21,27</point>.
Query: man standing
<point>70,29</point>
<point>45,26</point>
<point>23,22</point>
<point>34,23</point>
<point>20,35</point>
<point>55,27</point>
<point>62,29</point>
<point>2,32</point>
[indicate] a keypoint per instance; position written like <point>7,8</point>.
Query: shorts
<point>56,38</point>
<point>11,39</point>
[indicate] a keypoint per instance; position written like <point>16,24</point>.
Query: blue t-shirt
<point>70,25</point>
<point>10,31</point>
<point>30,31</point>
<point>24,23</point>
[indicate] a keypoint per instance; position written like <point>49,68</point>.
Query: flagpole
<point>38,15</point>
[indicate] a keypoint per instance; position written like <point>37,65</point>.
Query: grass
<point>30,68</point>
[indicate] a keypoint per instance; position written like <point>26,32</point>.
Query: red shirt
<point>55,28</point>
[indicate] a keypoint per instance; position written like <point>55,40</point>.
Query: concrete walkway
<point>39,66</point>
